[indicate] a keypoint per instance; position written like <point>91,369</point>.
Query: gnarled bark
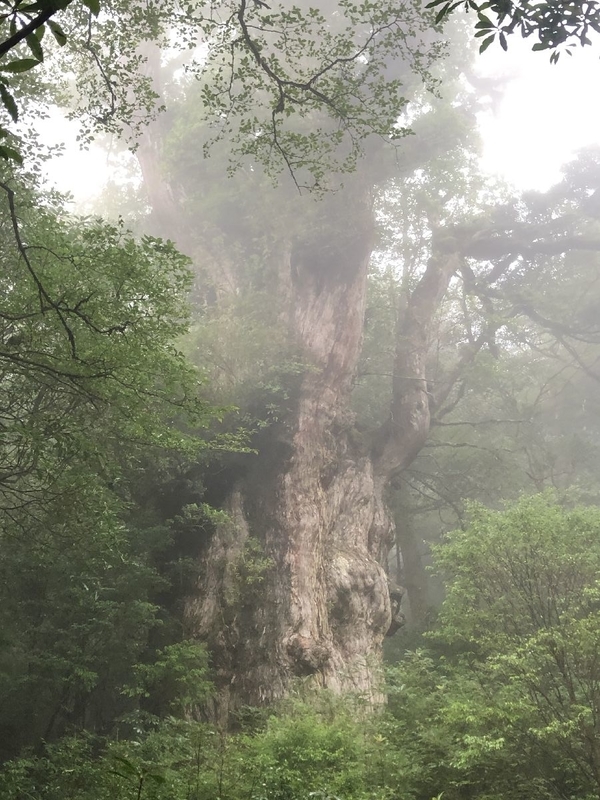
<point>314,503</point>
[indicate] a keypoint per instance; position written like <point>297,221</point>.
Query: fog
<point>537,118</point>
<point>299,405</point>
<point>543,116</point>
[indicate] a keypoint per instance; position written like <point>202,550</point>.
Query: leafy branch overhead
<point>22,22</point>
<point>556,25</point>
<point>297,89</point>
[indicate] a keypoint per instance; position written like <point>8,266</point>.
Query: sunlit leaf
<point>486,43</point>
<point>34,45</point>
<point>57,32</point>
<point>93,5</point>
<point>441,14</point>
<point>44,5</point>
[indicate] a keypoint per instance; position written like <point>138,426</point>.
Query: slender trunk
<point>414,575</point>
<point>407,428</point>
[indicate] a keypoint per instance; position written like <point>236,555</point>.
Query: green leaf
<point>57,32</point>
<point>10,154</point>
<point>127,764</point>
<point>34,45</point>
<point>486,43</point>
<point>441,14</point>
<point>22,65</point>
<point>44,5</point>
<point>9,102</point>
<point>93,5</point>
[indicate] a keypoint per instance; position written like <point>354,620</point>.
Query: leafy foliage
<point>23,25</point>
<point>88,319</point>
<point>311,747</point>
<point>92,387</point>
<point>555,24</point>
<point>509,706</point>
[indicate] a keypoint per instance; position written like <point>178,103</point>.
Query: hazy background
<point>542,115</point>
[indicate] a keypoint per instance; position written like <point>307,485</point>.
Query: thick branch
<point>23,33</point>
<point>43,294</point>
<point>404,433</point>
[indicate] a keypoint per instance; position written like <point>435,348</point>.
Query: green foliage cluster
<point>93,391</point>
<point>23,25</point>
<point>317,747</point>
<point>502,705</point>
<point>505,703</point>
<point>557,26</point>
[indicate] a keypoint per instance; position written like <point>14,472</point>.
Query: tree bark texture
<point>313,502</point>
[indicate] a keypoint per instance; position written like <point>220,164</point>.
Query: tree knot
<point>308,656</point>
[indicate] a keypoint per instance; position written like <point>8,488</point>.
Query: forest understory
<point>299,417</point>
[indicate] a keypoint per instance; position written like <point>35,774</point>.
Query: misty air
<point>299,400</point>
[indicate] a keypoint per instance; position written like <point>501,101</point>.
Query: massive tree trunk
<point>313,501</point>
<point>295,585</point>
<point>314,497</point>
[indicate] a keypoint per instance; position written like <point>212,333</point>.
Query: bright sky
<point>547,113</point>
<point>81,172</point>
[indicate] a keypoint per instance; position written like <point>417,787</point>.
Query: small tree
<point>514,704</point>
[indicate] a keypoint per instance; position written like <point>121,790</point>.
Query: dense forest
<point>300,428</point>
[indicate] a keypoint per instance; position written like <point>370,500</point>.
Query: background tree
<point>513,699</point>
<point>522,416</point>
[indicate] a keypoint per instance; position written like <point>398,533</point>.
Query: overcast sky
<point>547,113</point>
